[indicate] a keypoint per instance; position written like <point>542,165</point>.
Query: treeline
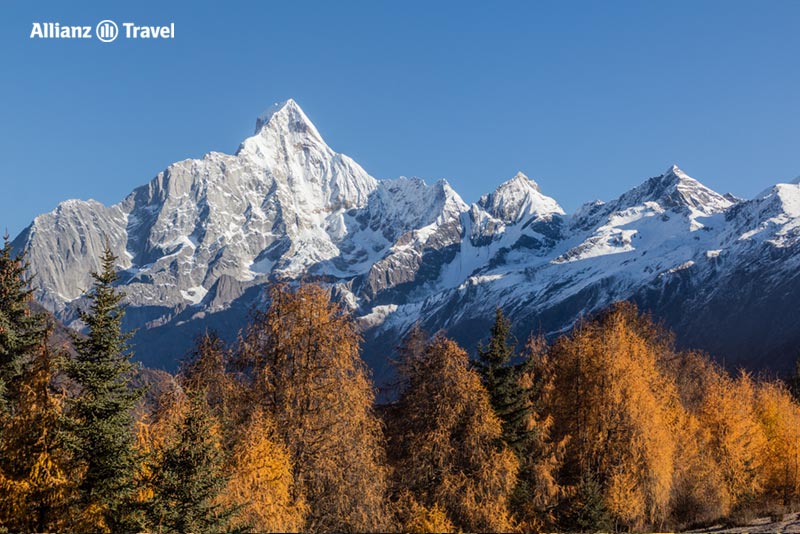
<point>607,428</point>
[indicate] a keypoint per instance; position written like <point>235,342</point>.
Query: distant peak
<point>675,174</point>
<point>676,189</point>
<point>277,107</point>
<point>516,198</point>
<point>520,180</point>
<point>286,115</point>
<point>674,169</point>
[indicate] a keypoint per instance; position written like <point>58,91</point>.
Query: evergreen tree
<point>501,377</point>
<point>21,331</point>
<point>587,511</point>
<point>189,476</point>
<point>99,428</point>
<point>794,380</point>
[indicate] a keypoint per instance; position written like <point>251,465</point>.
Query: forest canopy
<point>607,427</point>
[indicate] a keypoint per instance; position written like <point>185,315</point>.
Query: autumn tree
<point>736,440</point>
<point>721,441</point>
<point>779,416</point>
<point>700,495</point>
<point>36,484</point>
<point>206,369</point>
<point>538,490</point>
<point>261,483</point>
<point>415,518</point>
<point>99,427</point>
<point>445,441</point>
<point>303,358</point>
<point>617,408</point>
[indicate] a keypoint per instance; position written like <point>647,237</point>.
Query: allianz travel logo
<point>106,31</point>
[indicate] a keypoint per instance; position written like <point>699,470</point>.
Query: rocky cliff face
<point>198,245</point>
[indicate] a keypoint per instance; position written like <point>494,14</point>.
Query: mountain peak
<point>286,116</point>
<point>521,180</point>
<point>673,176</point>
<point>674,170</point>
<point>516,198</point>
<point>677,190</point>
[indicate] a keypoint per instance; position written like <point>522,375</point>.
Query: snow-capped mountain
<point>198,245</point>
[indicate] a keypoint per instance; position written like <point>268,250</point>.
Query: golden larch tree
<point>619,410</point>
<point>261,481</point>
<point>307,375</point>
<point>36,480</point>
<point>445,441</point>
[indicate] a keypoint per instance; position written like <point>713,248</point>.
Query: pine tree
<point>794,380</point>
<point>588,511</point>
<point>21,331</point>
<point>501,377</point>
<point>515,392</point>
<point>189,476</point>
<point>99,428</point>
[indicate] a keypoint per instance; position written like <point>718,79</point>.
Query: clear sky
<point>587,98</point>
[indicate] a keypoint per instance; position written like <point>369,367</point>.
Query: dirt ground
<point>789,524</point>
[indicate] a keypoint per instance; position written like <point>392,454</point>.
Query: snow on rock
<point>517,198</point>
<point>195,294</point>
<point>204,232</point>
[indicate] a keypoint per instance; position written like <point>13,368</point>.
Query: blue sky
<point>588,98</point>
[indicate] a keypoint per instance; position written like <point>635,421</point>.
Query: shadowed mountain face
<point>200,243</point>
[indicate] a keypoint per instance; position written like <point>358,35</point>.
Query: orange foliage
<point>303,355</point>
<point>262,481</point>
<point>445,438</point>
<point>620,411</point>
<point>779,416</point>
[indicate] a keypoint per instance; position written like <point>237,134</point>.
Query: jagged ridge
<point>200,241</point>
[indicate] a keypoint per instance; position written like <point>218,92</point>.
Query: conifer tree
<point>189,476</point>
<point>515,390</point>
<point>444,440</point>
<point>206,370</point>
<point>794,380</point>
<point>588,511</point>
<point>309,378</point>
<point>21,331</point>
<point>99,428</point>
<point>620,412</point>
<point>35,481</point>
<point>501,377</point>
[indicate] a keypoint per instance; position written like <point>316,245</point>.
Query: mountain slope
<point>199,244</point>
